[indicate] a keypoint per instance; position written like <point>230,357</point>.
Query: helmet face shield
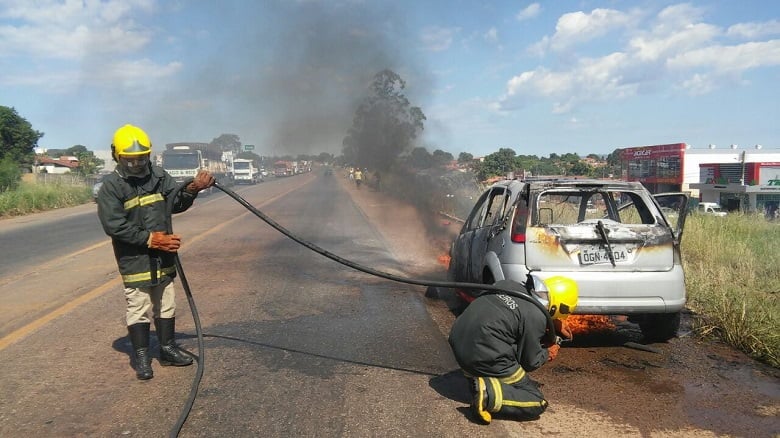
<point>134,165</point>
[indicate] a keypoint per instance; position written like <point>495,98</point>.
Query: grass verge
<point>732,270</point>
<point>31,198</point>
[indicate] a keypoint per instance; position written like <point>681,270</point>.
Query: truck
<point>245,172</point>
<point>284,168</point>
<point>184,160</point>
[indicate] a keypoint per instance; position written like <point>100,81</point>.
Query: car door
<point>677,203</point>
<point>490,220</point>
<point>461,246</point>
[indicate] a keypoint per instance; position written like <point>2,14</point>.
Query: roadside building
<point>737,179</point>
<point>55,166</point>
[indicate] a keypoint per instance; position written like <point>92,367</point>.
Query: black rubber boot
<point>170,353</point>
<point>142,361</point>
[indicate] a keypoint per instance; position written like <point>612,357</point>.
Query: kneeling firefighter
<point>497,340</point>
<point>132,207</point>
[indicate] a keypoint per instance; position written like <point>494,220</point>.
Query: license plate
<point>596,255</point>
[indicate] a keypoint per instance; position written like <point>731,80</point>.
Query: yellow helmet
<point>130,140</point>
<point>562,293</point>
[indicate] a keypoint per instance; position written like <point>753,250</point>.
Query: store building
<point>738,179</point>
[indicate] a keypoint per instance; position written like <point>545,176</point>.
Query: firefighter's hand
<point>164,242</point>
<point>552,352</point>
<point>203,180</point>
<point>562,329</point>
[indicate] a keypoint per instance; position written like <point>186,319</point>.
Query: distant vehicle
<point>245,172</point>
<point>284,168</point>
<point>96,187</point>
<point>183,161</point>
<point>611,237</point>
<point>711,208</point>
<point>328,171</point>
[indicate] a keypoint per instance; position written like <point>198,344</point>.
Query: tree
<point>385,124</point>
<point>324,157</point>
<point>17,138</point>
<point>420,158</point>
<point>497,163</point>
<point>89,163</point>
<point>441,158</point>
<point>225,142</point>
<point>465,158</point>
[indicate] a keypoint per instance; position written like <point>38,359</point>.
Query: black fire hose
<point>551,336</point>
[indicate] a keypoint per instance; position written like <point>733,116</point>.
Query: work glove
<point>552,352</point>
<point>203,180</point>
<point>562,329</point>
<point>164,242</point>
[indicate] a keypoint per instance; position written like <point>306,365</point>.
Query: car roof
<point>570,182</point>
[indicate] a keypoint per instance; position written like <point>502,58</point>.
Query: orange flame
<point>589,324</point>
<point>444,260</point>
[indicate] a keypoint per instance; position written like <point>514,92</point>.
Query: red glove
<point>164,242</point>
<point>552,352</point>
<point>203,180</point>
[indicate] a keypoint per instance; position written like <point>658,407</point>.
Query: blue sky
<point>538,77</point>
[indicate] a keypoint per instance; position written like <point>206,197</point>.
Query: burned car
<point>620,243</point>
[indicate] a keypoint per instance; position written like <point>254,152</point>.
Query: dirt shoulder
<point>607,382</point>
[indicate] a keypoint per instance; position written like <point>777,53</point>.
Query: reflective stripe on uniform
<point>147,276</point>
<point>514,377</point>
<point>143,200</point>
<point>497,399</point>
<point>521,404</point>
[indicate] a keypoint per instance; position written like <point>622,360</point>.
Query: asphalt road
<point>298,345</point>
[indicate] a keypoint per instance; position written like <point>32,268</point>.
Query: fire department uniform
<point>130,209</point>
<point>498,337</point>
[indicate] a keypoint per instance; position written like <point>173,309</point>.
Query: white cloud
<point>491,35</point>
<point>437,39</point>
<point>529,12</point>
<point>72,29</point>
<point>657,45</point>
<point>729,59</point>
<point>678,49</point>
<point>754,30</point>
<point>593,79</point>
<point>578,27</point>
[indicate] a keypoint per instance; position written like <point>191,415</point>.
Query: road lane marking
<point>28,329</point>
<point>44,266</point>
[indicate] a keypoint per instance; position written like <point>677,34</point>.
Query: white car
<point>620,243</point>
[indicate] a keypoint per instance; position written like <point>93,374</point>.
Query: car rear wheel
<point>659,327</point>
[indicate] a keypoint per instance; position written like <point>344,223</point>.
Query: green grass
<point>732,269</point>
<point>31,198</point>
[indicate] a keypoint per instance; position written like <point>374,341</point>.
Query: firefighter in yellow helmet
<point>498,340</point>
<point>132,207</point>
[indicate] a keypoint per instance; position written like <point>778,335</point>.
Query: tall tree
<point>465,158</point>
<point>17,138</point>
<point>225,142</point>
<point>385,124</point>
<point>441,158</point>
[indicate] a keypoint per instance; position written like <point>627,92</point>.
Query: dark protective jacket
<point>497,334</point>
<point>130,209</point>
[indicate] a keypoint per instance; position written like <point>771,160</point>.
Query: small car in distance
<point>620,243</point>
